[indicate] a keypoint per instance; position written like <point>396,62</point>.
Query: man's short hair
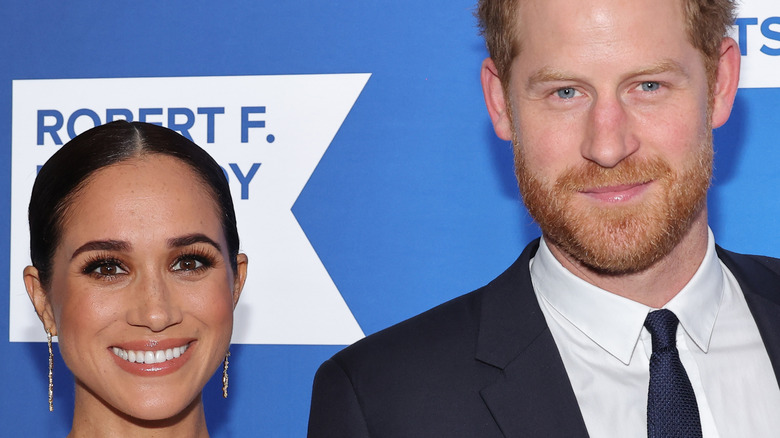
<point>706,21</point>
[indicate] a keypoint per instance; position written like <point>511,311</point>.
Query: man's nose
<point>608,139</point>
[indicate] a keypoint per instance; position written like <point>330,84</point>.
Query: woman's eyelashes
<point>104,267</point>
<point>193,261</point>
<point>109,267</point>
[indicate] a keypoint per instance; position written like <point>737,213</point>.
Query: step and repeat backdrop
<point>368,182</point>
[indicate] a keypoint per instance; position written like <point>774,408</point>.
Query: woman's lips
<point>617,193</point>
<point>152,358</point>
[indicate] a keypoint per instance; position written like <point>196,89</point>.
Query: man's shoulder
<point>750,263</point>
<point>445,326</point>
<point>757,275</point>
<point>446,331</point>
<point>387,381</point>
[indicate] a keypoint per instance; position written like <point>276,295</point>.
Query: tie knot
<point>662,325</point>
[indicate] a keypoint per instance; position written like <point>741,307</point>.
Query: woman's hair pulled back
<point>67,172</point>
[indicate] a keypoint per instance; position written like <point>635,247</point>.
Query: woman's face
<point>142,269</point>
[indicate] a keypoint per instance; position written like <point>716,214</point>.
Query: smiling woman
<point>135,267</point>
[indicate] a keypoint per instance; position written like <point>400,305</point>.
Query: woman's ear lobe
<point>40,299</point>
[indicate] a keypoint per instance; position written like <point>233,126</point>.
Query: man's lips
<point>616,193</point>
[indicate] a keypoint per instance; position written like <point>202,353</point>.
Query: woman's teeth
<point>150,357</point>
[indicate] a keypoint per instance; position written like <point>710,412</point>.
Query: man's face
<point>608,109</point>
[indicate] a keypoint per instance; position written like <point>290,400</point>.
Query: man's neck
<point>659,283</point>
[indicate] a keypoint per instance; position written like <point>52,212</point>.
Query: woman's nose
<point>152,303</point>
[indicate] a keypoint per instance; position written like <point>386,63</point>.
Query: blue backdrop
<point>413,203</point>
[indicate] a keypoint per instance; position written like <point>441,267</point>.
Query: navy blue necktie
<point>671,404</point>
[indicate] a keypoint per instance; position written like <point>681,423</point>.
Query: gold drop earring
<point>225,376</point>
<point>51,372</point>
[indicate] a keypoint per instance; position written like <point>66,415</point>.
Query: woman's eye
<point>187,264</point>
<point>108,270</point>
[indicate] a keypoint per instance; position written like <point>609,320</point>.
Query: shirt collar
<point>698,303</point>
<point>614,322</point>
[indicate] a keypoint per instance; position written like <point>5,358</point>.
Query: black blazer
<point>483,365</point>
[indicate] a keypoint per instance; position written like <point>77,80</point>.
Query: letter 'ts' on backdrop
<point>267,132</point>
<point>757,30</point>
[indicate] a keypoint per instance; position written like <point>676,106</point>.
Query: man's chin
<point>621,241</point>
<point>613,255</point>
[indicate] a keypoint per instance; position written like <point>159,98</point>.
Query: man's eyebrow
<point>549,74</point>
<point>667,66</point>
<point>189,239</point>
<point>101,245</point>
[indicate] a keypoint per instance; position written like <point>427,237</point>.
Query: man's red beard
<point>618,239</point>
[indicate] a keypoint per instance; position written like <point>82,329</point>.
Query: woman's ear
<point>40,299</point>
<point>242,261</point>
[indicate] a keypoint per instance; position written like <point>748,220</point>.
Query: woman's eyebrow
<point>102,245</point>
<point>190,239</point>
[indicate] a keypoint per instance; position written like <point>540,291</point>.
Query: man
<point>610,105</point>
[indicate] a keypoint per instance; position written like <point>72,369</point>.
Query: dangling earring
<point>51,369</point>
<point>225,375</point>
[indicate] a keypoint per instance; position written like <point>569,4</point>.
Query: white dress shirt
<point>606,351</point>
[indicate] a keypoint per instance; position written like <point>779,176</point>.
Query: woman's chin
<point>160,410</point>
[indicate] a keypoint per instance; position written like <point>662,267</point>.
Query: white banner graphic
<point>267,132</point>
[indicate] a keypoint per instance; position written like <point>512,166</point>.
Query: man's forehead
<point>556,16</point>
<point>601,31</point>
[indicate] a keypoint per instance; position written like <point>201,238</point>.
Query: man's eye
<point>650,86</point>
<point>187,264</point>
<point>566,93</point>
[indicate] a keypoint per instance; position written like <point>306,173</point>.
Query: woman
<point>136,270</point>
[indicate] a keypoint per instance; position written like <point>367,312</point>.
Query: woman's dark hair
<point>68,171</point>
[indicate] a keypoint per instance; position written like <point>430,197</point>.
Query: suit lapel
<point>533,395</point>
<point>759,280</point>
